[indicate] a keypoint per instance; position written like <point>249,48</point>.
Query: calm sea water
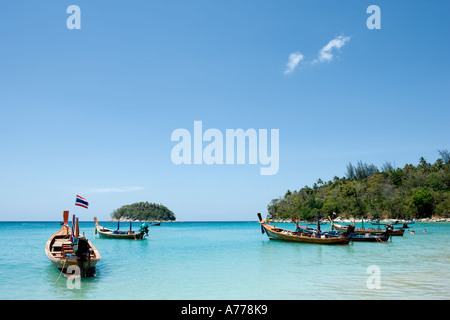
<point>227,260</point>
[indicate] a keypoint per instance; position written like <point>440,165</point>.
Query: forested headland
<point>366,191</point>
<point>143,211</point>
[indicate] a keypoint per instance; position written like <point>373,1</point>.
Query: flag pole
<point>73,219</point>
<point>75,206</point>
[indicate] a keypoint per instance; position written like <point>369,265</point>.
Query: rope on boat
<point>380,240</point>
<point>61,271</point>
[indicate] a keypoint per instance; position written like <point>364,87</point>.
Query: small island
<point>143,211</point>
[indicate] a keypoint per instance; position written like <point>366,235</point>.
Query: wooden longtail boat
<point>71,253</point>
<point>315,222</point>
<point>275,233</point>
<point>352,236</point>
<point>379,223</point>
<point>396,222</point>
<point>349,233</point>
<point>403,223</point>
<point>117,234</point>
<point>364,231</point>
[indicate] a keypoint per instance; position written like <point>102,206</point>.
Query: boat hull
<point>76,268</point>
<point>136,236</point>
<point>286,235</point>
<point>371,238</point>
<point>108,233</point>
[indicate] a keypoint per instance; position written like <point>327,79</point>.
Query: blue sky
<point>91,111</point>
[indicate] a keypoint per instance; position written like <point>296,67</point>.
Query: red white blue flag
<point>82,202</point>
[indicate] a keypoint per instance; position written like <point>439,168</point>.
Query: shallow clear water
<point>227,260</point>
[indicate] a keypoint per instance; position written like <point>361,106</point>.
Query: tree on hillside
<point>423,202</point>
<point>365,191</point>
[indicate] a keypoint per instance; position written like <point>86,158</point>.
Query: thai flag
<point>82,202</point>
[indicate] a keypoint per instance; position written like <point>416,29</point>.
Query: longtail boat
<point>379,223</point>
<point>70,252</point>
<point>369,231</point>
<point>117,234</point>
<point>403,223</point>
<point>315,222</point>
<point>349,233</point>
<point>275,233</point>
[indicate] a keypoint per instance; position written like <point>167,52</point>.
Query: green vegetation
<point>144,211</point>
<point>421,191</point>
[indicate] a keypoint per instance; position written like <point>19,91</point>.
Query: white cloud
<point>294,60</point>
<point>326,54</point>
<point>109,190</point>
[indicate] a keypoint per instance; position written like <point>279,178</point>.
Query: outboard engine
<point>389,229</point>
<point>350,230</point>
<point>144,229</point>
<point>83,254</point>
<point>83,247</point>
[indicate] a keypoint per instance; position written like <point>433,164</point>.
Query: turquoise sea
<point>228,260</point>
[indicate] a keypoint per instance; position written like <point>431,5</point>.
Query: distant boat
<point>275,233</point>
<point>315,222</point>
<point>370,231</point>
<point>70,252</point>
<point>379,223</point>
<point>155,223</point>
<point>403,222</point>
<point>118,234</point>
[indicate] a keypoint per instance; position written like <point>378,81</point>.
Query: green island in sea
<point>412,192</point>
<point>143,211</point>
